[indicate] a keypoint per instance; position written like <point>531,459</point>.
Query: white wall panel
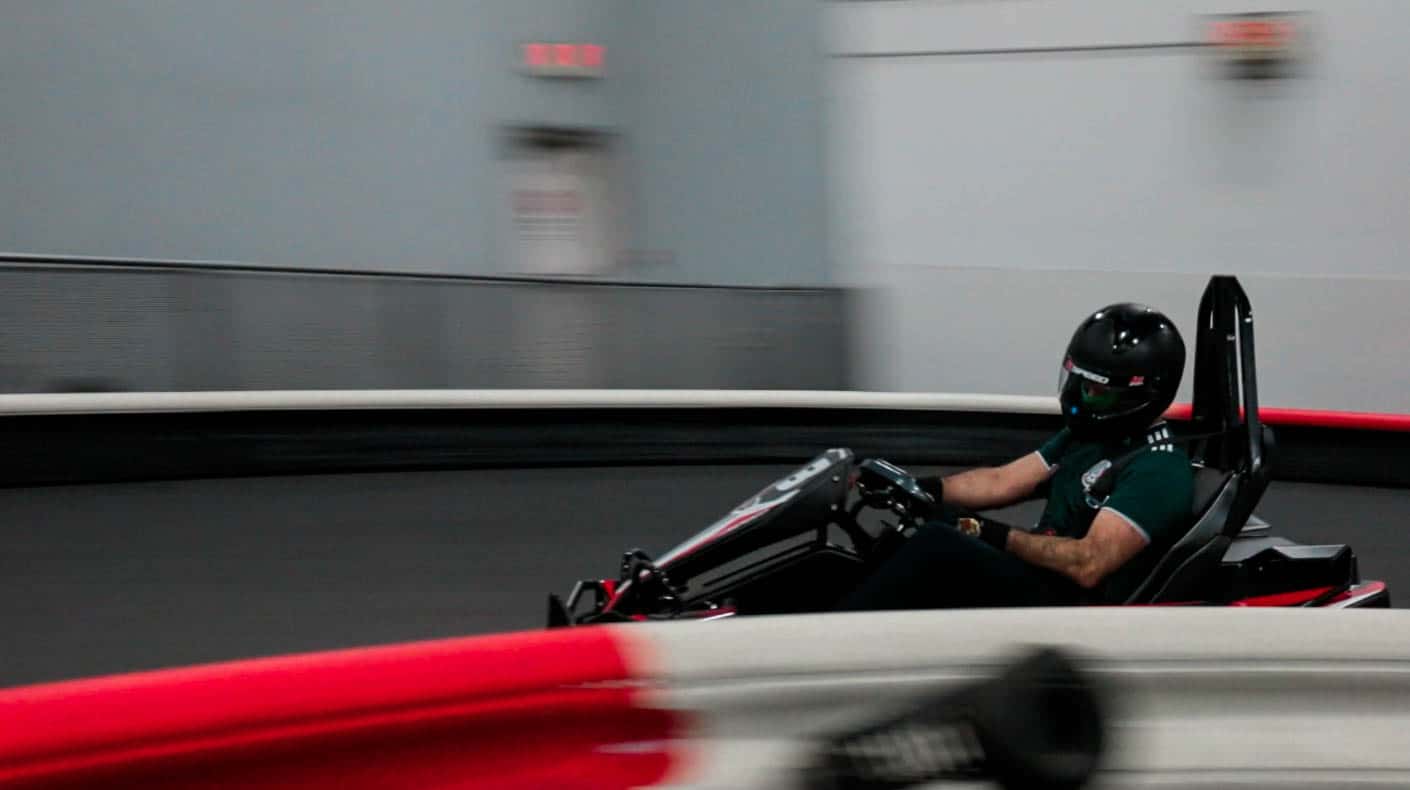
<point>993,198</point>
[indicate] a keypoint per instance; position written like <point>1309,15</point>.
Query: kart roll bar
<point>1226,385</point>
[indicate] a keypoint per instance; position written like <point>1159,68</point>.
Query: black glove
<point>934,486</point>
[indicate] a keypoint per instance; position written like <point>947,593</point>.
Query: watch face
<point>969,526</point>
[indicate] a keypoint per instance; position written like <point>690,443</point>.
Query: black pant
<point>941,568</point>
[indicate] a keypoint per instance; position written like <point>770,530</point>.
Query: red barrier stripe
<point>553,708</point>
<point>1344,420</point>
<point>1295,598</point>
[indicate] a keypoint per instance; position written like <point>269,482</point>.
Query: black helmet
<point>1120,372</point>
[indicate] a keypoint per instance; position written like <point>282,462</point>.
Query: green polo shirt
<point>1152,493</point>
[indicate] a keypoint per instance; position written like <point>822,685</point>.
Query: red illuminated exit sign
<point>1259,45</point>
<point>559,59</point>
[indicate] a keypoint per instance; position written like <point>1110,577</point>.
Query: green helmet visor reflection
<point>1099,397</point>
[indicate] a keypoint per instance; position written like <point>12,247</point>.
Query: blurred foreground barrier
<point>520,711</point>
<point>1168,698</point>
<point>103,437</point>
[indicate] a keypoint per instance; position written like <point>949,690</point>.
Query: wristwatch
<point>969,526</point>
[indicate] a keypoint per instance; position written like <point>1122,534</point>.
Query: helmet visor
<point>1080,393</point>
<point>1099,398</point>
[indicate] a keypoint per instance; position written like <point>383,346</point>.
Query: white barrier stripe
<point>1196,694</point>
<point>307,400</point>
<point>903,641</point>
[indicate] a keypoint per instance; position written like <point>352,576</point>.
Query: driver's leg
<point>940,568</point>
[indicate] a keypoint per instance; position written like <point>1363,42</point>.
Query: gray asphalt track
<point>99,579</point>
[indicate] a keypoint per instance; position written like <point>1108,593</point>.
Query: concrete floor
<point>110,578</point>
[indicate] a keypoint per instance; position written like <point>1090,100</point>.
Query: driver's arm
<point>1151,501</point>
<point>997,486</point>
<point>1110,543</point>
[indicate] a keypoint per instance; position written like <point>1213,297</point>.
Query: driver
<point>1118,490</point>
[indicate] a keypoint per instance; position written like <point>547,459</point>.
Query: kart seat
<point>1220,498</point>
<point>1209,483</point>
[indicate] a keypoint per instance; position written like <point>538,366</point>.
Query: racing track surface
<point>106,578</point>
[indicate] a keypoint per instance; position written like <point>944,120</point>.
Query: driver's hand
<point>935,487</point>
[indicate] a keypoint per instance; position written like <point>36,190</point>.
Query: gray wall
<point>354,134</point>
<point>365,134</point>
<point>141,329</point>
<point>992,198</point>
<point>1323,342</point>
<point>727,139</point>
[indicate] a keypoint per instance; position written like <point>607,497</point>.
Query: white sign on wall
<point>561,209</point>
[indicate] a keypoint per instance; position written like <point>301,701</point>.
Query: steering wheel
<point>882,484</point>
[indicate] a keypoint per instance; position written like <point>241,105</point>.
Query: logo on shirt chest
<point>1090,478</point>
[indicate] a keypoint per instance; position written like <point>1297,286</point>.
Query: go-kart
<point>804,541</point>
